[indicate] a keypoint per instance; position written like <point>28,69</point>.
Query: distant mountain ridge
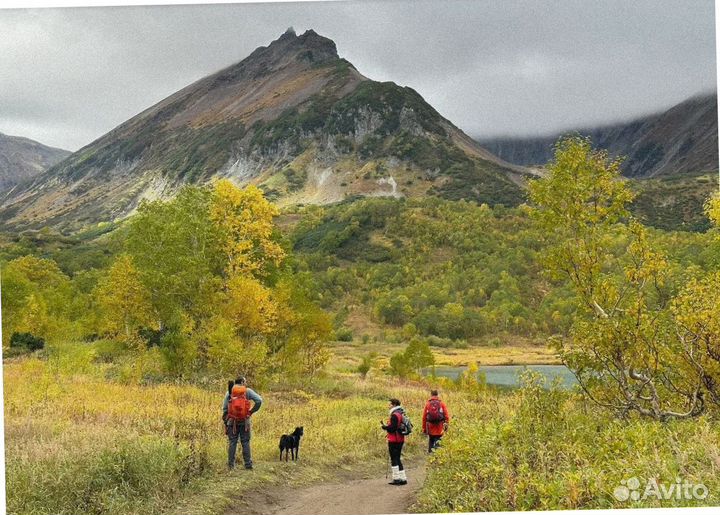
<point>293,118</point>
<point>681,140</point>
<point>22,159</point>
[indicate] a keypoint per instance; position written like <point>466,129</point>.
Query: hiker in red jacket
<point>395,439</point>
<point>435,420</point>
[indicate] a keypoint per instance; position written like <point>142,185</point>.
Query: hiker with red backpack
<point>398,427</point>
<point>435,420</point>
<point>236,417</point>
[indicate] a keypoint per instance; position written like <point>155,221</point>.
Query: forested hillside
<point>455,273</point>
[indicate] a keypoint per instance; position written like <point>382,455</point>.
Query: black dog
<point>291,443</point>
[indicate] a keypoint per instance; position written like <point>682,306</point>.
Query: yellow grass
<point>348,355</point>
<point>78,443</point>
<point>506,355</point>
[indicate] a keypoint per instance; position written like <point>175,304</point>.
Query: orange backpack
<point>239,406</point>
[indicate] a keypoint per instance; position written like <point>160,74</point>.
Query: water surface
<point>509,375</point>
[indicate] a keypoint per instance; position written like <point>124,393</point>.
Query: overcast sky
<point>493,67</point>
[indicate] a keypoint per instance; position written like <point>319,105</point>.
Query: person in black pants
<point>239,429</point>
<point>435,420</point>
<point>395,442</point>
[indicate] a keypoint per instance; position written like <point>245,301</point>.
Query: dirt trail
<point>351,497</point>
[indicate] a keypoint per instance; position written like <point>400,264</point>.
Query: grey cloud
<point>493,67</point>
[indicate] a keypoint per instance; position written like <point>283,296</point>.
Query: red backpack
<point>435,411</point>
<point>239,405</point>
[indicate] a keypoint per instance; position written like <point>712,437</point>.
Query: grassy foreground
<point>546,449</point>
<point>77,443</point>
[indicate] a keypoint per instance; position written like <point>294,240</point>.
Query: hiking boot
<point>248,467</point>
<point>402,477</point>
<point>398,482</point>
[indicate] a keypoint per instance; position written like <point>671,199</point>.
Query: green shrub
<point>417,355</point>
<point>368,361</point>
<point>295,179</point>
<point>437,341</point>
<point>109,351</point>
<point>344,334</point>
<point>495,341</point>
<point>26,341</point>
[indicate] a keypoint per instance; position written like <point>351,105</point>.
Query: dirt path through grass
<point>351,496</point>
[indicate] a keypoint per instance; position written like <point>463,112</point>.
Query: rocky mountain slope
<point>293,118</point>
<point>681,140</point>
<point>22,159</point>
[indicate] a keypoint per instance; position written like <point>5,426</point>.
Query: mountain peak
<point>293,118</point>
<point>310,48</point>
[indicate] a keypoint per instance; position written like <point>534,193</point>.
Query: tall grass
<point>76,443</point>
<point>546,449</point>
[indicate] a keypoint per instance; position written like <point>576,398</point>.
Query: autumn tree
<point>124,303</point>
<point>416,356</point>
<point>366,363</point>
<point>229,352</point>
<point>175,248</point>
<point>696,311</point>
<point>210,259</point>
<point>244,220</point>
<point>299,342</point>
<point>236,336</point>
<point>249,306</point>
<point>37,298</point>
<point>622,346</point>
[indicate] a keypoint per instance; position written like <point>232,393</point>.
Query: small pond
<point>509,375</point>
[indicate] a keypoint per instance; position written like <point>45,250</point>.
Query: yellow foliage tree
<point>472,381</point>
<point>231,355</point>
<point>124,302</point>
<point>37,298</point>
<point>34,317</point>
<point>712,208</point>
<point>697,317</point>
<point>249,306</point>
<point>245,219</point>
<point>39,271</point>
<point>307,333</point>
<point>623,346</point>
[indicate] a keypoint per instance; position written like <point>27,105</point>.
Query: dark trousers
<point>433,441</point>
<point>237,431</point>
<point>395,449</point>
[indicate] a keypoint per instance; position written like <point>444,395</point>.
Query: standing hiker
<point>236,415</point>
<point>396,429</point>
<point>435,420</point>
